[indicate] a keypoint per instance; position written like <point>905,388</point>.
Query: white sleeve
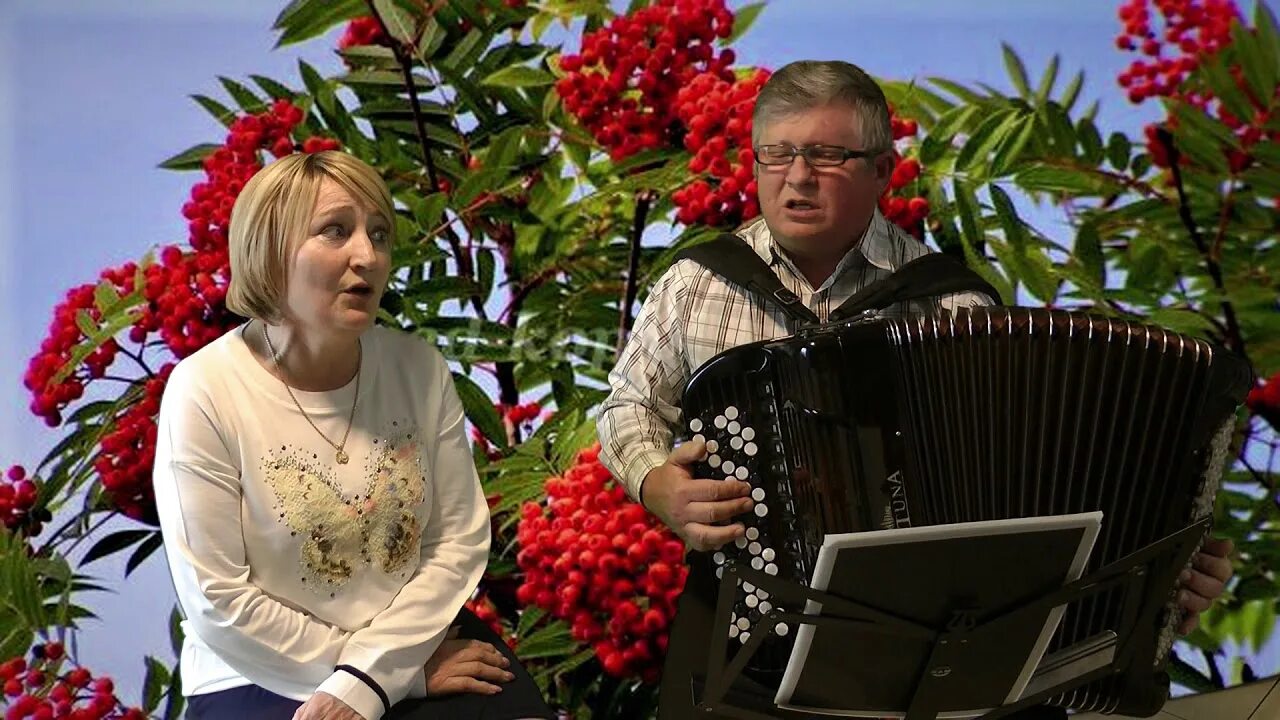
<point>197,489</point>
<point>392,649</point>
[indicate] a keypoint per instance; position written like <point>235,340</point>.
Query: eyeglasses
<point>815,155</point>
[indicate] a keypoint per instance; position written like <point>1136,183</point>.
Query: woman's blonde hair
<point>271,215</point>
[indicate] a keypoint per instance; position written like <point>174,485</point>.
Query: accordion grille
<point>1010,413</point>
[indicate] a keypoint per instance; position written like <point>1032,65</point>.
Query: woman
<point>322,516</point>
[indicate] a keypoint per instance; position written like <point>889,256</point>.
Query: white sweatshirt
<point>288,564</point>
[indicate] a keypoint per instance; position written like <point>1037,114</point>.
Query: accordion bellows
<point>984,414</point>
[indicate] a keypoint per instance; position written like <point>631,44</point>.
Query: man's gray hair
<point>809,84</point>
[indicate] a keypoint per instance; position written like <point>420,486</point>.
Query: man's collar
<point>876,245</point>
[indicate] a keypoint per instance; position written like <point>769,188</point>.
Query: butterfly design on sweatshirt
<point>342,533</point>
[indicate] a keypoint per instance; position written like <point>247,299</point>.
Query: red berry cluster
<point>185,306</point>
<point>18,495</point>
<point>623,84</point>
<point>595,559</point>
<point>362,31</point>
<point>39,689</point>
<point>1193,30</point>
<point>1264,401</point>
<point>126,454</point>
<point>897,204</point>
<point>717,115</point>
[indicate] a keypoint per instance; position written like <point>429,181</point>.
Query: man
<point>823,141</point>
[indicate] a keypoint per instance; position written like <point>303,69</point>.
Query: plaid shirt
<point>692,314</point>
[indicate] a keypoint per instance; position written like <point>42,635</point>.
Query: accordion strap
<point>929,275</point>
<point>730,257</point>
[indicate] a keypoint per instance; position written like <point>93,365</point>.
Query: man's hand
<point>692,507</point>
<point>1205,582</point>
<point>323,706</point>
<point>459,666</point>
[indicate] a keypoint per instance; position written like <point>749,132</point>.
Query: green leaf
<point>1009,152</point>
<point>973,238</point>
<point>190,159</point>
<point>105,297</point>
<point>155,684</point>
<point>1260,66</point>
<point>276,90</point>
<point>1017,71</point>
<point>1264,23</point>
<point>973,157</point>
<point>148,546</point>
<point>480,411</point>
<point>1088,252</point>
<point>86,324</point>
<point>175,630</point>
<point>306,19</point>
<point>1046,178</point>
<point>220,112</point>
<point>743,18</point>
<point>519,76</point>
<point>1015,232</point>
<point>1048,79</point>
<point>1118,149</point>
<point>244,97</point>
<point>1072,93</point>
<point>399,23</point>
<point>539,25</point>
<point>1090,141</point>
<point>115,542</point>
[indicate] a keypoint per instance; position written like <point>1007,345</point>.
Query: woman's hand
<point>459,666</point>
<point>323,706</point>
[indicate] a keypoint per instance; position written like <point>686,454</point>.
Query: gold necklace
<point>342,456</point>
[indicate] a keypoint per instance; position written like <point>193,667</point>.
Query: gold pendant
<point>342,457</point>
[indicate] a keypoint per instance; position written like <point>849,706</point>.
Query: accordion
<point>980,415</point>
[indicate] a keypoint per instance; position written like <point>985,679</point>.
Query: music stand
<point>951,650</point>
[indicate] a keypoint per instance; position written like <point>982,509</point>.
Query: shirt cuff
<point>355,692</point>
<point>638,469</point>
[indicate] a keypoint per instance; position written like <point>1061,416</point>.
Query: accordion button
<point>754,548</point>
<point>743,623</point>
<point>748,433</point>
<point>719,558</point>
<point>731,412</point>
<point>720,422</point>
<point>713,446</point>
<point>695,425</point>
<point>741,473</point>
<point>714,461</point>
<point>771,569</point>
<point>748,587</point>
<point>719,573</point>
<point>781,629</point>
<point>762,510</point>
<point>733,631</point>
<point>736,443</point>
<point>757,563</point>
<point>750,449</point>
<point>768,554</point>
<point>728,466</point>
<point>763,595</point>
<point>740,542</point>
<point>765,608</point>
<point>734,427</point>
<point>757,494</point>
<point>744,637</point>
<point>753,533</point>
<point>752,601</point>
